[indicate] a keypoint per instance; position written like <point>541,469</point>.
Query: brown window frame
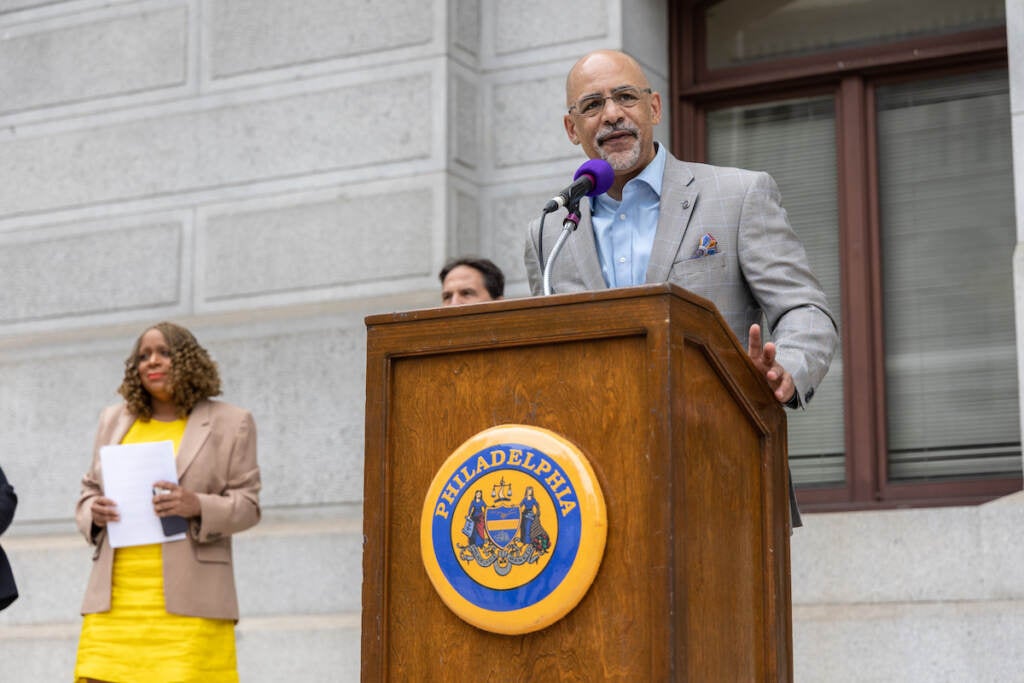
<point>850,75</point>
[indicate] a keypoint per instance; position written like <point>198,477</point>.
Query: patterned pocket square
<point>708,246</point>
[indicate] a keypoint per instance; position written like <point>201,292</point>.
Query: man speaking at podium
<point>720,233</point>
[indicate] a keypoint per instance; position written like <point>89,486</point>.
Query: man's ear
<point>570,129</point>
<point>656,107</point>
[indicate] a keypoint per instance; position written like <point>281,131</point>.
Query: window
<point>945,188</point>
<point>889,137</point>
<point>747,31</point>
<point>796,140</point>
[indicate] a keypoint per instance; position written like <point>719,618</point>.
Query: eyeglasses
<point>623,97</point>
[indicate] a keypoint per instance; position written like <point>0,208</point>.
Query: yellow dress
<point>138,640</point>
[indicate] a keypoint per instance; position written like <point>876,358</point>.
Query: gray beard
<point>623,161</point>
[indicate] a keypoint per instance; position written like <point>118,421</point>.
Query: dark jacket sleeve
<point>8,501</point>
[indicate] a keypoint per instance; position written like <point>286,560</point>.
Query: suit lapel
<point>584,251</point>
<point>122,423</point>
<point>678,198</point>
<point>197,430</point>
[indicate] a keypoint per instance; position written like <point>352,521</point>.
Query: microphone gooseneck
<point>568,226</point>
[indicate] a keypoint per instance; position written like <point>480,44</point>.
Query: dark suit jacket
<point>216,460</point>
<point>8,502</point>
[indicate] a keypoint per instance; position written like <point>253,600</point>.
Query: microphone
<point>594,177</point>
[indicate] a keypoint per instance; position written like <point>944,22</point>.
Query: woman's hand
<point>103,510</point>
<point>175,500</point>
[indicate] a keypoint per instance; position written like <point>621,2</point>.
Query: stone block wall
<point>267,173</point>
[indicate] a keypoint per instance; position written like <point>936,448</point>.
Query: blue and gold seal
<point>513,529</point>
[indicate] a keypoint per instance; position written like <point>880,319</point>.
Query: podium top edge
<point>521,303</point>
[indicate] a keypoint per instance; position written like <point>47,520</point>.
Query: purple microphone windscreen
<point>601,173</point>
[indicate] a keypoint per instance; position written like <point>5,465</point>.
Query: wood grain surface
<point>687,443</point>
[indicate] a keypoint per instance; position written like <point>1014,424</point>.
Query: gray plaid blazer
<point>760,269</point>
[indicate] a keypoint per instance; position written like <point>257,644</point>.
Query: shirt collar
<point>654,173</point>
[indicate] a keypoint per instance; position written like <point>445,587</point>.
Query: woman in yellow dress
<point>166,612</point>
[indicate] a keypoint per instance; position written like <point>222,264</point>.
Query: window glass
<point>795,141</point>
<point>745,31</point>
<point>947,239</point>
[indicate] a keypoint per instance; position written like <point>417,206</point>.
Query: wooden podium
<point>688,445</point>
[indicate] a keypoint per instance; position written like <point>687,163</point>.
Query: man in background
<point>470,280</point>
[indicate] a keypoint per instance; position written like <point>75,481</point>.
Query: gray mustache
<point>604,135</point>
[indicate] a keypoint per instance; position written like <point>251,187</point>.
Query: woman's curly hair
<point>193,375</point>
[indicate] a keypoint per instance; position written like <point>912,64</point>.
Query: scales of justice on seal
<point>576,487</point>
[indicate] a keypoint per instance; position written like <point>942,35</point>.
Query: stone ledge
<point>953,641</point>
<point>950,554</point>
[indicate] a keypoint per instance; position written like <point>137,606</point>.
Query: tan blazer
<point>216,460</point>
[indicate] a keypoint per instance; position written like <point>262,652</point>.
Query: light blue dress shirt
<point>624,230</point>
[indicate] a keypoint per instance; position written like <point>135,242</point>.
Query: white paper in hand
<point>129,472</point>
